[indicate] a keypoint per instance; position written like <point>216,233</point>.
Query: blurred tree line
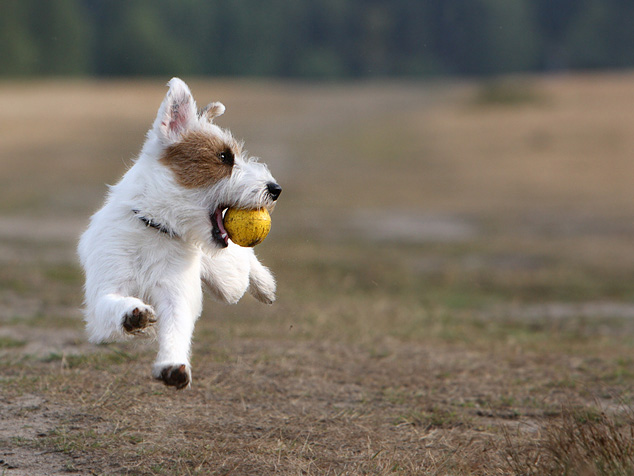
<point>312,38</point>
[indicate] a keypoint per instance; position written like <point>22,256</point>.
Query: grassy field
<point>456,285</point>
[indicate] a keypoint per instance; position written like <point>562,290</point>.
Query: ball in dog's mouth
<point>247,227</point>
<point>218,231</point>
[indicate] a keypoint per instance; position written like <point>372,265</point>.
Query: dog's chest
<point>164,260</point>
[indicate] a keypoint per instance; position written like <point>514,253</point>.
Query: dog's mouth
<point>218,232</point>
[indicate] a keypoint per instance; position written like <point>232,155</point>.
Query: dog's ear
<point>212,110</point>
<point>176,114</point>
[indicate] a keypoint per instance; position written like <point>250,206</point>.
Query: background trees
<point>312,38</point>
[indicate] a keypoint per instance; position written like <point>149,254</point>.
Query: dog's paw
<point>138,319</point>
<point>262,285</point>
<point>264,295</point>
<point>178,376</point>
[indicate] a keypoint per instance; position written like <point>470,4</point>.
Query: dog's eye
<point>227,157</point>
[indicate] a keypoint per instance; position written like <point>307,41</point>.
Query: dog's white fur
<point>131,267</point>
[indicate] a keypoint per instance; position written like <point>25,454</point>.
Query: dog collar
<point>149,223</point>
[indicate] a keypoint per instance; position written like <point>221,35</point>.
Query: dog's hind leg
<point>113,316</point>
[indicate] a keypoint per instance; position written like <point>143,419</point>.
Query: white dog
<point>160,234</point>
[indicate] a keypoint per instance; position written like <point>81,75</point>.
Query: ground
<point>456,285</point>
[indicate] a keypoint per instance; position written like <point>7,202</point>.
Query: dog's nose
<point>274,190</point>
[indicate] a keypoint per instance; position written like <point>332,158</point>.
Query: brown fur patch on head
<point>200,159</point>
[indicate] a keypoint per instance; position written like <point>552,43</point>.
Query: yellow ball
<point>247,227</point>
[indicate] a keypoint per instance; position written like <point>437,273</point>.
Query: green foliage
<point>321,39</point>
<point>43,37</point>
<point>18,48</point>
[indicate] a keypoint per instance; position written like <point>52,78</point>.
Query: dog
<point>159,237</point>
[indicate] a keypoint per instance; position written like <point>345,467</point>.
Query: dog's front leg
<point>229,274</point>
<point>261,282</point>
<point>226,274</point>
<point>113,315</point>
<point>176,317</point>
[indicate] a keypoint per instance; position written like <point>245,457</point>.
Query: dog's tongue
<point>221,226</point>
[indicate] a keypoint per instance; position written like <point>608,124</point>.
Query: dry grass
<point>456,286</point>
<point>581,441</point>
<point>593,444</point>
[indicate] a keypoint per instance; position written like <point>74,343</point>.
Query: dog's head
<point>206,163</point>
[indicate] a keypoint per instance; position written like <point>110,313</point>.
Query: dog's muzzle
<point>218,232</point>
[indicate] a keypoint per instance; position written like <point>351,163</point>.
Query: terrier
<point>159,237</point>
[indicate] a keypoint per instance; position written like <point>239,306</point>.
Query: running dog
<point>159,237</point>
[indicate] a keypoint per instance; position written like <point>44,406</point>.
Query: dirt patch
<point>410,226</point>
<point>28,418</point>
<point>587,310</point>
